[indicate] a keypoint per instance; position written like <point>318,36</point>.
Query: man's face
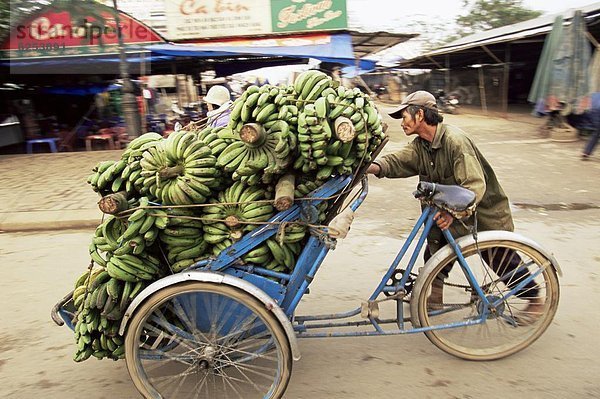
<point>410,124</point>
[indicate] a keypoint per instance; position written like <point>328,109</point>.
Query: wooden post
<point>506,80</point>
<point>284,192</point>
<point>447,74</point>
<point>482,91</point>
<point>114,203</point>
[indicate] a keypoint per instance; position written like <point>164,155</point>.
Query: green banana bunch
<point>106,177</point>
<point>310,84</point>
<point>283,255</point>
<point>234,212</point>
<point>99,316</point>
<point>140,144</point>
<point>179,171</point>
<point>134,268</point>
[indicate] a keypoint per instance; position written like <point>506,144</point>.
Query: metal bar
<point>58,307</point>
<point>519,287</point>
<point>307,280</point>
<point>400,314</point>
<point>331,316</point>
<point>357,323</point>
<point>467,270</point>
<point>365,190</point>
<point>415,254</point>
<point>400,255</point>
<point>466,323</point>
<point>376,325</point>
<point>264,272</point>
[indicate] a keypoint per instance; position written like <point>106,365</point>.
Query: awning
<point>335,48</point>
<point>80,90</point>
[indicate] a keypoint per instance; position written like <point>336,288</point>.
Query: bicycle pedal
<point>369,309</point>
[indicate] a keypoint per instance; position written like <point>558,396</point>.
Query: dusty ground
<point>558,196</point>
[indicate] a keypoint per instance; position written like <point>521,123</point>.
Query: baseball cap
<point>422,98</point>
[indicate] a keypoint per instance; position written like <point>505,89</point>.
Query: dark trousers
<point>592,141</point>
<point>504,262</point>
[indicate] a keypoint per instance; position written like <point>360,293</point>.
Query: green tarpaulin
<point>562,79</point>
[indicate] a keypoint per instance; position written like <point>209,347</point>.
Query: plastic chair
<point>51,141</point>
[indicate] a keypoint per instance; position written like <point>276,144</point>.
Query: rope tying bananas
<point>192,195</point>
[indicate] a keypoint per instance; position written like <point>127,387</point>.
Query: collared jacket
<point>220,116</point>
<point>452,158</point>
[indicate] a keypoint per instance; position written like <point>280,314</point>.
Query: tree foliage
<point>490,14</point>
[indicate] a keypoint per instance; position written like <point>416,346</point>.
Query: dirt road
<point>558,196</point>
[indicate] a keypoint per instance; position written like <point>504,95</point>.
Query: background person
<point>444,154</point>
<point>219,102</point>
<point>589,120</point>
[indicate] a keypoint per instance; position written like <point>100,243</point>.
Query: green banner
<point>308,15</point>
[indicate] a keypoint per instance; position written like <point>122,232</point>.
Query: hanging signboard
<point>302,16</point>
<point>197,19</point>
<point>192,19</point>
<point>68,31</point>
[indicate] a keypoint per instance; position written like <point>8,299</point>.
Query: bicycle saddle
<point>452,198</point>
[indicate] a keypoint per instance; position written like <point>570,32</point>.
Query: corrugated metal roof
<point>511,33</point>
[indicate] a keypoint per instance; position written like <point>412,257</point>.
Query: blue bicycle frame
<point>291,287</point>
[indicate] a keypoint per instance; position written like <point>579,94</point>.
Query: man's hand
<point>374,169</point>
<point>443,219</point>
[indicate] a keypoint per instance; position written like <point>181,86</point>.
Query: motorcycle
<point>447,104</point>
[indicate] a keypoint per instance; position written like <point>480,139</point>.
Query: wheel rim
<point>503,329</point>
<point>207,343</point>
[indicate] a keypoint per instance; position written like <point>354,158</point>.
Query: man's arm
<point>403,163</point>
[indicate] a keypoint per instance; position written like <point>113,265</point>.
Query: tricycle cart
<point>223,328</point>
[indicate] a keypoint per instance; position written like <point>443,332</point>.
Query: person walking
<point>444,154</point>
<point>219,102</point>
<point>589,120</point>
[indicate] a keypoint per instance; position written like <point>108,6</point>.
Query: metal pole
<point>128,100</point>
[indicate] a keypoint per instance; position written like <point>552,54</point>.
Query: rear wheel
<point>206,340</point>
<point>510,326</point>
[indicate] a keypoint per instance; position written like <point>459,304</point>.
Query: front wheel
<point>499,266</point>
<point>205,340</point>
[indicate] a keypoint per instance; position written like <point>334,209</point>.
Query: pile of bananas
<point>194,194</point>
<point>101,301</point>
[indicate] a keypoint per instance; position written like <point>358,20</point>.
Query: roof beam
<point>435,62</point>
<point>487,50</point>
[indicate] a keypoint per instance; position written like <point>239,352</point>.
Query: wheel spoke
<point>499,267</point>
<point>205,340</point>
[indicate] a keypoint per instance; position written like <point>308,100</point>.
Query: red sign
<point>56,33</point>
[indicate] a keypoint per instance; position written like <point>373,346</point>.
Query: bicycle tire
<point>214,340</point>
<point>501,334</point>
